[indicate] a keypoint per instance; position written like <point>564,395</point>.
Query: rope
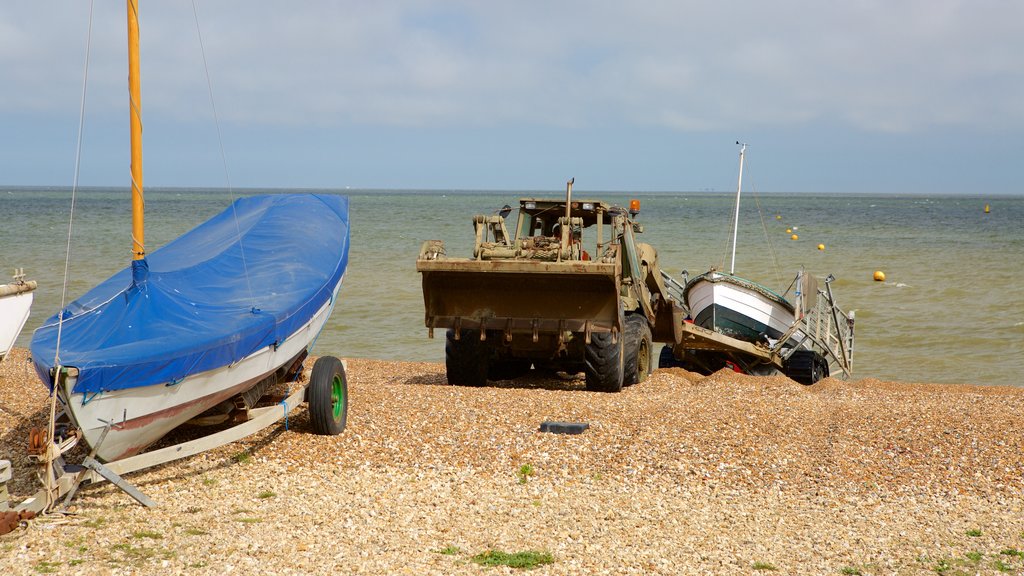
<point>49,480</point>
<point>767,236</point>
<point>223,155</point>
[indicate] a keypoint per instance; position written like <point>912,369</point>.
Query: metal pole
<point>736,217</point>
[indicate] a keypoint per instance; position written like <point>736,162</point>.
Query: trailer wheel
<point>328,396</point>
<point>604,363</point>
<point>466,359</point>
<point>667,359</point>
<point>637,347</point>
<point>806,367</point>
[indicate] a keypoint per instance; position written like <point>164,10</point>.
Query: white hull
<point>15,305</point>
<point>735,309</point>
<point>141,416</point>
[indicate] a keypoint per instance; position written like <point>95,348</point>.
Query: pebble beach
<point>680,474</point>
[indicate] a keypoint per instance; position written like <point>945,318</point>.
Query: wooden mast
<point>135,102</point>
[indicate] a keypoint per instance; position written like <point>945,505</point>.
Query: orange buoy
<point>789,230</point>
<point>794,237</point>
<point>879,276</point>
<point>821,246</point>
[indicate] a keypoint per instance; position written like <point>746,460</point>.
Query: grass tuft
<point>764,566</point>
<point>528,559</point>
<point>449,550</point>
<point>1012,552</point>
<point>1002,566</point>
<point>524,473</point>
<point>851,571</point>
<point>973,532</point>
<point>266,494</point>
<point>44,567</point>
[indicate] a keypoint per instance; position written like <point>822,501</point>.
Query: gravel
<point>681,474</point>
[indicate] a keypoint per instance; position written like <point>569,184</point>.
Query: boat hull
<point>141,416</point>
<point>738,308</point>
<point>15,305</point>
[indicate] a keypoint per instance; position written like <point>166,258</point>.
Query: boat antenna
<point>736,216</point>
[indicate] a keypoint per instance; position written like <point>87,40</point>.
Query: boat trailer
<point>326,391</point>
<point>823,332</point>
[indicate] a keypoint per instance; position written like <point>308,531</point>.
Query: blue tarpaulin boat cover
<point>245,279</point>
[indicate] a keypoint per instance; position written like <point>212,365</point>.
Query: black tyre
<point>667,359</point>
<point>637,350</point>
<point>466,359</point>
<point>327,395</point>
<point>806,367</point>
<point>604,363</point>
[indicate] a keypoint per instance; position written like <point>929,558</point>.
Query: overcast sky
<point>861,96</point>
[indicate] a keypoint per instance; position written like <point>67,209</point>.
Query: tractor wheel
<point>637,348</point>
<point>604,362</point>
<point>466,359</point>
<point>328,396</point>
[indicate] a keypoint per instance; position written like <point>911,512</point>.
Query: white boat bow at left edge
<point>15,305</point>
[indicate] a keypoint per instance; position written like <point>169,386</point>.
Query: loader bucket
<point>521,297</point>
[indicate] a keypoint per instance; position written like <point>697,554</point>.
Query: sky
<point>865,96</point>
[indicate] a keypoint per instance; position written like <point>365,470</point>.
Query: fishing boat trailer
<point>817,345</point>
<point>325,390</point>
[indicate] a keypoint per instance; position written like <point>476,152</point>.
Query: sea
<point>950,309</point>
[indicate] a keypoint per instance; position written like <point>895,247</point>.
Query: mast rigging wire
<point>223,154</point>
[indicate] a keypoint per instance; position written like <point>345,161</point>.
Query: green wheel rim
<point>337,397</point>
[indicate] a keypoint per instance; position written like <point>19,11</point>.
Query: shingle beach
<point>681,474</point>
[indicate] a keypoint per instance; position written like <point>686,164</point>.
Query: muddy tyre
<point>328,396</point>
<point>604,363</point>
<point>466,359</point>
<point>637,349</point>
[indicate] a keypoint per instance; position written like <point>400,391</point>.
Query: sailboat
<point>738,307</point>
<point>15,305</point>
<point>209,320</point>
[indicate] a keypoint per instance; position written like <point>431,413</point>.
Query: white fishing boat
<point>737,307</point>
<point>15,305</point>
<point>207,322</point>
<point>734,306</point>
<point>741,324</point>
